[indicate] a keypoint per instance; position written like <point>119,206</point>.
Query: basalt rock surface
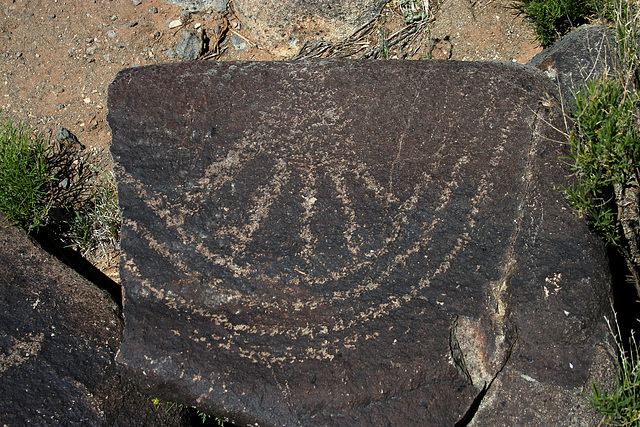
<point>355,243</point>
<point>59,335</point>
<point>584,54</point>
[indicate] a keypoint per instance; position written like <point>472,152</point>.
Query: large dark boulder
<point>356,243</point>
<point>59,335</point>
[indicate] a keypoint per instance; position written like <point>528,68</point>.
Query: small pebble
<point>175,23</point>
<point>153,10</point>
<point>114,17</point>
<point>52,16</point>
<point>137,2</point>
<point>238,43</point>
<point>111,34</point>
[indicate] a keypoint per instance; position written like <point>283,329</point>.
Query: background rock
<point>58,338</point>
<point>584,54</point>
<point>281,27</point>
<point>355,243</point>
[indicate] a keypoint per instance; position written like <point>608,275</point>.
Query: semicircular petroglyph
<point>230,212</point>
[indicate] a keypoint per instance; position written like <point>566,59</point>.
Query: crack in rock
<point>480,348</point>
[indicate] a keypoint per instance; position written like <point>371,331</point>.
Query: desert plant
<point>413,10</point>
<point>95,228</point>
<point>554,18</point>
<point>620,406</point>
<point>59,185</point>
<point>25,175</point>
<point>605,145</point>
<point>169,406</point>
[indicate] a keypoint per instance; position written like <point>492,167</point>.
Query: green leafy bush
<point>552,19</point>
<point>61,186</point>
<point>605,147</point>
<point>25,175</point>
<point>620,406</point>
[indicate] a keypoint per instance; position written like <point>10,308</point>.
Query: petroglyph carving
<point>339,246</point>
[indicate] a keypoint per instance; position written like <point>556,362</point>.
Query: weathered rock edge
<point>59,335</point>
<point>354,243</point>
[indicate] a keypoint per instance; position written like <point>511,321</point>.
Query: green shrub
<point>552,19</point>
<point>25,175</point>
<point>61,186</point>
<point>620,406</point>
<point>95,227</point>
<point>605,148</point>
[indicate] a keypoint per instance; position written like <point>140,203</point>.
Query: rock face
<point>276,25</point>
<point>58,339</point>
<point>355,243</point>
<point>582,55</point>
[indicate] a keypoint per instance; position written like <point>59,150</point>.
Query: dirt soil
<point>58,57</point>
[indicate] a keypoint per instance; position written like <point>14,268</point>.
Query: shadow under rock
<point>625,299</point>
<point>51,243</point>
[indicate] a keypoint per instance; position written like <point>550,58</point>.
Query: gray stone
<point>273,24</point>
<point>219,6</point>
<point>59,335</point>
<point>190,45</point>
<point>582,55</point>
<point>64,134</point>
<point>238,43</point>
<point>356,243</point>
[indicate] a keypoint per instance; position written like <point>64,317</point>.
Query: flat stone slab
<point>354,243</point>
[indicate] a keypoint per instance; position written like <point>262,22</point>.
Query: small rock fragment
<point>238,43</point>
<point>220,6</point>
<point>190,45</point>
<point>63,134</point>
